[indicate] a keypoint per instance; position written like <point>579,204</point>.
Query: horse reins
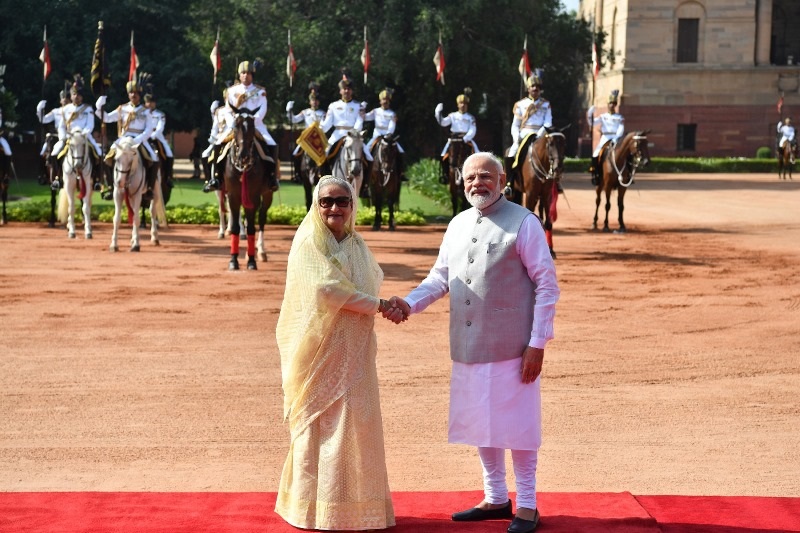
<point>635,158</point>
<point>538,169</point>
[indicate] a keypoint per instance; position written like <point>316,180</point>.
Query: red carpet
<point>148,512</point>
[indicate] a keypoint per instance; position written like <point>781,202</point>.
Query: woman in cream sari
<point>335,474</point>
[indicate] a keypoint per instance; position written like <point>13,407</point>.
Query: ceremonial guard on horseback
<point>308,116</point>
<point>79,117</point>
<point>247,96</point>
<point>134,121</point>
<point>385,123</point>
<point>612,128</point>
<point>462,126</point>
<point>343,116</point>
<point>53,142</point>
<point>5,156</point>
<point>787,133</point>
<point>157,140</point>
<point>532,118</point>
<point>221,115</point>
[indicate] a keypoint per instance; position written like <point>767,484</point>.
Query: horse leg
<point>250,217</point>
<point>119,195</point>
<point>621,208</point>
<point>233,221</point>
<point>377,202</point>
<point>87,205</point>
<point>606,229</point>
<point>391,201</point>
<point>262,221</point>
<point>53,195</point>
<point>4,215</point>
<point>69,188</point>
<point>136,205</point>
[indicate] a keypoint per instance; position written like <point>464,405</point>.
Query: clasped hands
<point>395,309</point>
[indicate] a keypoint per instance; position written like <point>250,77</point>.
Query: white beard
<point>480,201</point>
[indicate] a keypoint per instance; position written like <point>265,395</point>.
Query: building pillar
<point>763,31</point>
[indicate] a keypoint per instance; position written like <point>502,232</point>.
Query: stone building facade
<point>706,76</point>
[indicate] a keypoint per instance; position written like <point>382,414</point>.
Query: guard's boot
<point>272,174</point>
<point>444,177</point>
<point>296,164</point>
<point>593,168</point>
<point>216,173</point>
<point>151,174</point>
<point>97,173</point>
<point>107,192</point>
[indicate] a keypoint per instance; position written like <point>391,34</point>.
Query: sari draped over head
<point>335,474</point>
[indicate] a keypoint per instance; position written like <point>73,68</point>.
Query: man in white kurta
<point>495,264</point>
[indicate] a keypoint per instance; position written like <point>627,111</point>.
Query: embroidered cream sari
<point>335,473</point>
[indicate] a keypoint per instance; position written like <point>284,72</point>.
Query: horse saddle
<point>529,138</point>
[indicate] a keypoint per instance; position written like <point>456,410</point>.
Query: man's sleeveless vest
<point>491,295</point>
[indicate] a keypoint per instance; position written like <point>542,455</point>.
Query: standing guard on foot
<point>248,95</point>
<point>133,120</point>
<point>385,123</point>
<point>461,123</point>
<point>55,117</point>
<point>532,117</point>
<point>159,120</point>
<point>81,116</point>
<point>308,117</point>
<point>612,128</point>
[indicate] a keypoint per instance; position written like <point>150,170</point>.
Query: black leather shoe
<point>520,525</point>
<point>475,514</point>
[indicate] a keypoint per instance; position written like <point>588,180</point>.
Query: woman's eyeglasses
<point>327,202</point>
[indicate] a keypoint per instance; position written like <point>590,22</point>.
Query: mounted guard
<point>612,128</point>
<point>159,120</point>
<point>343,115</point>
<point>462,124</point>
<point>79,115</point>
<point>308,116</point>
<point>532,118</point>
<point>385,123</point>
<point>53,142</point>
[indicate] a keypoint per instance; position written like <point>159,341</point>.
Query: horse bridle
<point>79,161</point>
<point>240,159</point>
<point>538,169</point>
<point>386,165</point>
<point>635,159</point>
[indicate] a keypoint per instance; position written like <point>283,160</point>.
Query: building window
<point>687,133</point>
<point>688,35</point>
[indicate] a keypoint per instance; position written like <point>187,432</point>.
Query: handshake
<point>395,309</point>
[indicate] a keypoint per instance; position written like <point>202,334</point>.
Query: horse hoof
<point>51,224</point>
<point>606,230</point>
<point>155,242</point>
<point>221,235</point>
<point>251,264</point>
<point>620,230</point>
<point>233,264</point>
<point>392,227</point>
<point>135,248</point>
<point>113,248</point>
<point>376,227</point>
<point>262,256</point>
<point>71,235</point>
<point>88,236</point>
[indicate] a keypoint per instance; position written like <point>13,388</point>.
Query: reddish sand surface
<point>675,367</point>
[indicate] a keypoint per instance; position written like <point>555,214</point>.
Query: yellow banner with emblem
<point>313,142</point>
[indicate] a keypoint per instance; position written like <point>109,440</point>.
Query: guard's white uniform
<point>307,116</point>
<point>343,116</point>
<point>159,119</point>
<point>530,116</point>
<point>459,123</point>
<point>55,116</point>
<point>385,123</point>
<point>220,118</point>
<point>787,133</point>
<point>3,142</point>
<point>254,98</point>
<point>612,128</point>
<point>135,122</point>
<point>81,117</point>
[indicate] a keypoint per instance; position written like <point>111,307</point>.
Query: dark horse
<point>619,164</point>
<point>52,175</point>
<point>540,173</point>
<point>457,153</point>
<point>246,186</point>
<point>166,172</point>
<point>384,179</point>
<point>5,165</point>
<point>786,158</point>
<point>310,173</point>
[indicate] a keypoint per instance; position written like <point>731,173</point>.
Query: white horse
<point>129,186</point>
<point>77,172</point>
<point>347,164</point>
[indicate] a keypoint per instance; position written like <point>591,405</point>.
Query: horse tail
<point>553,210</point>
<point>159,210</point>
<point>82,187</point>
<point>128,205</point>
<point>63,206</point>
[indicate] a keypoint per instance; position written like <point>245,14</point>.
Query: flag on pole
<point>524,63</point>
<point>291,64</point>
<point>438,60</point>
<point>100,76</point>
<point>365,55</point>
<point>216,58</point>
<point>595,61</point>
<point>780,104</point>
<point>44,57</point>
<point>134,62</point>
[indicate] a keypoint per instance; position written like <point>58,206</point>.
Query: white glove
<point>439,108</point>
<point>289,106</point>
<point>41,105</point>
<point>101,101</point>
<point>591,111</point>
<point>214,106</point>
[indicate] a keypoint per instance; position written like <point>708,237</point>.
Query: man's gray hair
<point>486,156</point>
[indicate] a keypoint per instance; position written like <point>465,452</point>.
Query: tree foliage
<point>173,39</point>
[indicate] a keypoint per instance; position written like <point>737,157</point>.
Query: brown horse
<point>310,173</point>
<point>457,153</point>
<point>619,164</point>
<point>540,173</point>
<point>384,179</point>
<point>52,175</point>
<point>246,186</point>
<point>786,158</point>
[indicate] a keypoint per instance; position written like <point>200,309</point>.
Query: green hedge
<point>691,165</point>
